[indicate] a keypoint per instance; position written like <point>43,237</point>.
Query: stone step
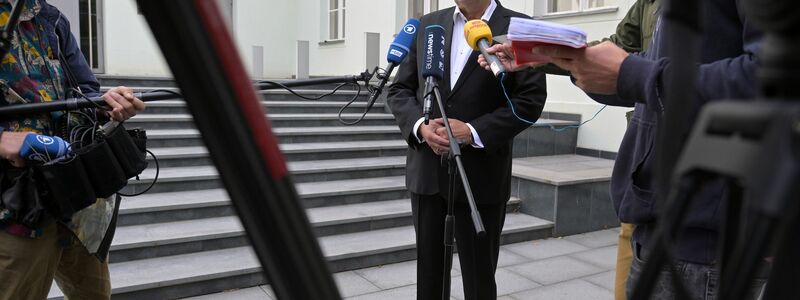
<point>180,237</point>
<point>198,155</point>
<point>184,121</point>
<point>286,135</point>
<point>212,271</point>
<point>274,107</point>
<point>194,204</point>
<point>570,190</point>
<point>173,179</point>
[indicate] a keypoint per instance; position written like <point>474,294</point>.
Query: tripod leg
<point>783,280</point>
<point>730,237</point>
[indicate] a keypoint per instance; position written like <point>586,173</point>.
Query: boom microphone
<point>479,37</point>
<point>433,65</point>
<point>397,53</point>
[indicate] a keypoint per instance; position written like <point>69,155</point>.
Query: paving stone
<point>605,257</point>
<point>507,283</point>
<point>508,258</point>
<point>351,284</point>
<point>604,280</point>
<point>595,239</point>
<point>268,289</point>
<point>392,275</point>
<point>555,269</point>
<point>570,290</point>
<point>542,249</point>
<point>406,292</point>
<point>253,293</point>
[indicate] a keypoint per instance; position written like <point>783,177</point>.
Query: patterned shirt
<point>31,73</point>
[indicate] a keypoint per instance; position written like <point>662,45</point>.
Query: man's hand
<point>506,56</point>
<point>595,69</point>
<point>438,144</point>
<point>123,103</point>
<point>460,131</point>
<point>10,144</point>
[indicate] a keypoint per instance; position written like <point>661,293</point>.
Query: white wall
<point>130,47</point>
<point>348,57</point>
<point>269,24</point>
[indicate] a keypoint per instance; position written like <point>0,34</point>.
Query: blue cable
<point>552,127</point>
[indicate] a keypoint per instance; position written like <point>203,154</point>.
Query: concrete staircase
<point>183,238</point>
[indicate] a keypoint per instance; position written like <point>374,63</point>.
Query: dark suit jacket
<point>477,99</point>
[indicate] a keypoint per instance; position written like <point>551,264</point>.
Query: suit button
<point>449,105</point>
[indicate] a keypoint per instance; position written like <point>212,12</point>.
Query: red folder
<point>523,51</point>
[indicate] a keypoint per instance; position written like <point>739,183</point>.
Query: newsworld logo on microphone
<point>429,52</point>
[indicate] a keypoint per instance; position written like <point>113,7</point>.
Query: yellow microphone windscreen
<point>476,30</point>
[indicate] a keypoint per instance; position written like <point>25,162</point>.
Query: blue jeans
<point>699,280</point>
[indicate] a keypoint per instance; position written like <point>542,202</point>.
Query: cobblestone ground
<point>573,267</point>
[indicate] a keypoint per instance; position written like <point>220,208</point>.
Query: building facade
<point>300,38</point>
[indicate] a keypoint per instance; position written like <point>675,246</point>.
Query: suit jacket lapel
<point>499,25</point>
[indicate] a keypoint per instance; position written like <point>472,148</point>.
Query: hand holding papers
<point>526,34</point>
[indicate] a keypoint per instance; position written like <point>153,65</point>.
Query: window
<point>576,6</point>
<point>91,32</point>
<point>336,19</point>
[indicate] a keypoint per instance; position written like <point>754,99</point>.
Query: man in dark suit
<point>485,125</point>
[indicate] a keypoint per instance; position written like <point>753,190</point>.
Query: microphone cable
<point>356,87</point>
<point>551,126</point>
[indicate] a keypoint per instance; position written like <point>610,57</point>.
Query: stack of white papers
<point>527,30</point>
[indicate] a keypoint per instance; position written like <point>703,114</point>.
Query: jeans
<point>700,280</point>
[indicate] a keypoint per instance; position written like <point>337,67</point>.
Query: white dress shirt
<point>460,52</point>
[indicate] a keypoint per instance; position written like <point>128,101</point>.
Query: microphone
<point>43,148</point>
<point>433,65</point>
<point>479,37</point>
<point>397,53</point>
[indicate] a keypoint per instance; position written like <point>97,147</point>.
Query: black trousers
<point>478,256</point>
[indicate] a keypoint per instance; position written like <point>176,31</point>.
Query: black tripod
<point>455,168</point>
<point>755,147</point>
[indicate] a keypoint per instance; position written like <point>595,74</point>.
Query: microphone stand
<point>454,164</point>
<point>89,102</point>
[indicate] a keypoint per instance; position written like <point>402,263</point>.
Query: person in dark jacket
<point>485,125</point>
<point>44,64</point>
<point>611,76</point>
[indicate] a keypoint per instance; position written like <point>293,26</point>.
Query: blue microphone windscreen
<point>42,148</point>
<point>433,64</point>
<point>402,42</point>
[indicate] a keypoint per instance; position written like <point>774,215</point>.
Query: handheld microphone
<point>479,37</point>
<point>397,53</point>
<point>43,148</point>
<point>433,65</point>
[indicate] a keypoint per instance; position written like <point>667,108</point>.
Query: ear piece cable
<point>552,127</point>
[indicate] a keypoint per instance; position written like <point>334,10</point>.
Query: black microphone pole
<point>449,230</point>
<point>90,102</point>
<point>383,80</point>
